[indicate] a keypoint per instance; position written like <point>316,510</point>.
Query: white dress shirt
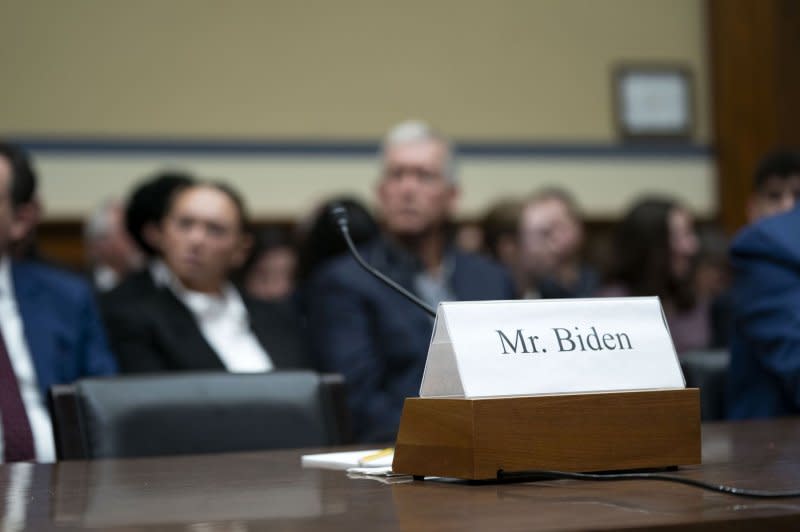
<point>13,334</point>
<point>223,322</point>
<point>105,278</point>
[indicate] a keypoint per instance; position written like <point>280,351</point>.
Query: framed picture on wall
<point>653,102</point>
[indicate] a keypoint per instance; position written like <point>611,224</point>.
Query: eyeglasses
<point>421,173</point>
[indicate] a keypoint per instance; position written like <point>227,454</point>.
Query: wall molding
<point>349,148</point>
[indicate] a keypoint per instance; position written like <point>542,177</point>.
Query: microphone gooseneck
<point>339,214</point>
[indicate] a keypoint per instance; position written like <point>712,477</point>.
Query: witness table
<point>270,490</point>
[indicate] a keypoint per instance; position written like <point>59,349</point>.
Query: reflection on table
<point>271,490</point>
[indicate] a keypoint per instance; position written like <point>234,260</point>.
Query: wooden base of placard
<point>475,438</point>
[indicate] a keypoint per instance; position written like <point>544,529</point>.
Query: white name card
<point>533,347</point>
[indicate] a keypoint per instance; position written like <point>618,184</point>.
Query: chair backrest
<point>191,413</point>
<point>708,370</point>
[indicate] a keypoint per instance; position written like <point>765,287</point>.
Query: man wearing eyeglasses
<point>363,329</point>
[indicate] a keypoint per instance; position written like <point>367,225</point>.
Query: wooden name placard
<point>563,385</point>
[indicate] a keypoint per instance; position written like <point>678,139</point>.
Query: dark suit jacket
<point>61,325</point>
<point>765,345</point>
<point>376,338</point>
<point>152,331</point>
<point>131,287</point>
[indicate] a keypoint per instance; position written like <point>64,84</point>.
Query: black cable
<point>563,475</point>
<point>340,216</point>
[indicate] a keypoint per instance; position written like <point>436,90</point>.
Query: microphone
<point>339,214</point>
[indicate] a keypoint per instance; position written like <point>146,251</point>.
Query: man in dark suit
<point>194,318</point>
<point>362,328</point>
<point>765,347</point>
<point>50,331</point>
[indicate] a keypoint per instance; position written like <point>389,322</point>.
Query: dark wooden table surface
<point>270,490</point>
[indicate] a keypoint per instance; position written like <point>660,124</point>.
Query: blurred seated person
<point>764,376</point>
<point>321,241</point>
<point>551,246</point>
<point>320,237</point>
<point>50,330</point>
<point>776,189</point>
<point>776,185</point>
<point>712,282</point>
<point>656,250</point>
<point>111,252</point>
<point>365,330</point>
<point>196,319</point>
<point>143,214</point>
<point>712,271</point>
<point>269,272</point>
<point>28,213</point>
<point>469,237</point>
<point>499,227</point>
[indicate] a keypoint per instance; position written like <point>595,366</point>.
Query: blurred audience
<point>712,271</point>
<point>776,185</point>
<point>656,251</point>
<point>28,214</point>
<point>50,331</point>
<point>111,253</point>
<point>499,227</point>
<point>148,203</point>
<point>365,330</point>
<point>551,246</point>
<point>196,319</point>
<point>143,214</point>
<point>269,272</point>
<point>764,379</point>
<point>469,237</point>
<point>321,239</point>
<point>712,280</point>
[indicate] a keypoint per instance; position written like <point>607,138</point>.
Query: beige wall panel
<point>480,69</point>
<point>283,187</point>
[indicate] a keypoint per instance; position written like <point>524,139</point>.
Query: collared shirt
<point>433,289</point>
<point>105,278</point>
<point>14,336</point>
<point>223,322</point>
<point>402,265</point>
<point>159,272</point>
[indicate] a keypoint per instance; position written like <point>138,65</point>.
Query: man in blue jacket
<point>50,332</point>
<point>765,346</point>
<point>365,330</point>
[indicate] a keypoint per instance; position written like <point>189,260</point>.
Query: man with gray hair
<point>110,251</point>
<point>366,331</point>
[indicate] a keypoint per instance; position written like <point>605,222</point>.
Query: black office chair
<point>708,370</point>
<point>191,413</point>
